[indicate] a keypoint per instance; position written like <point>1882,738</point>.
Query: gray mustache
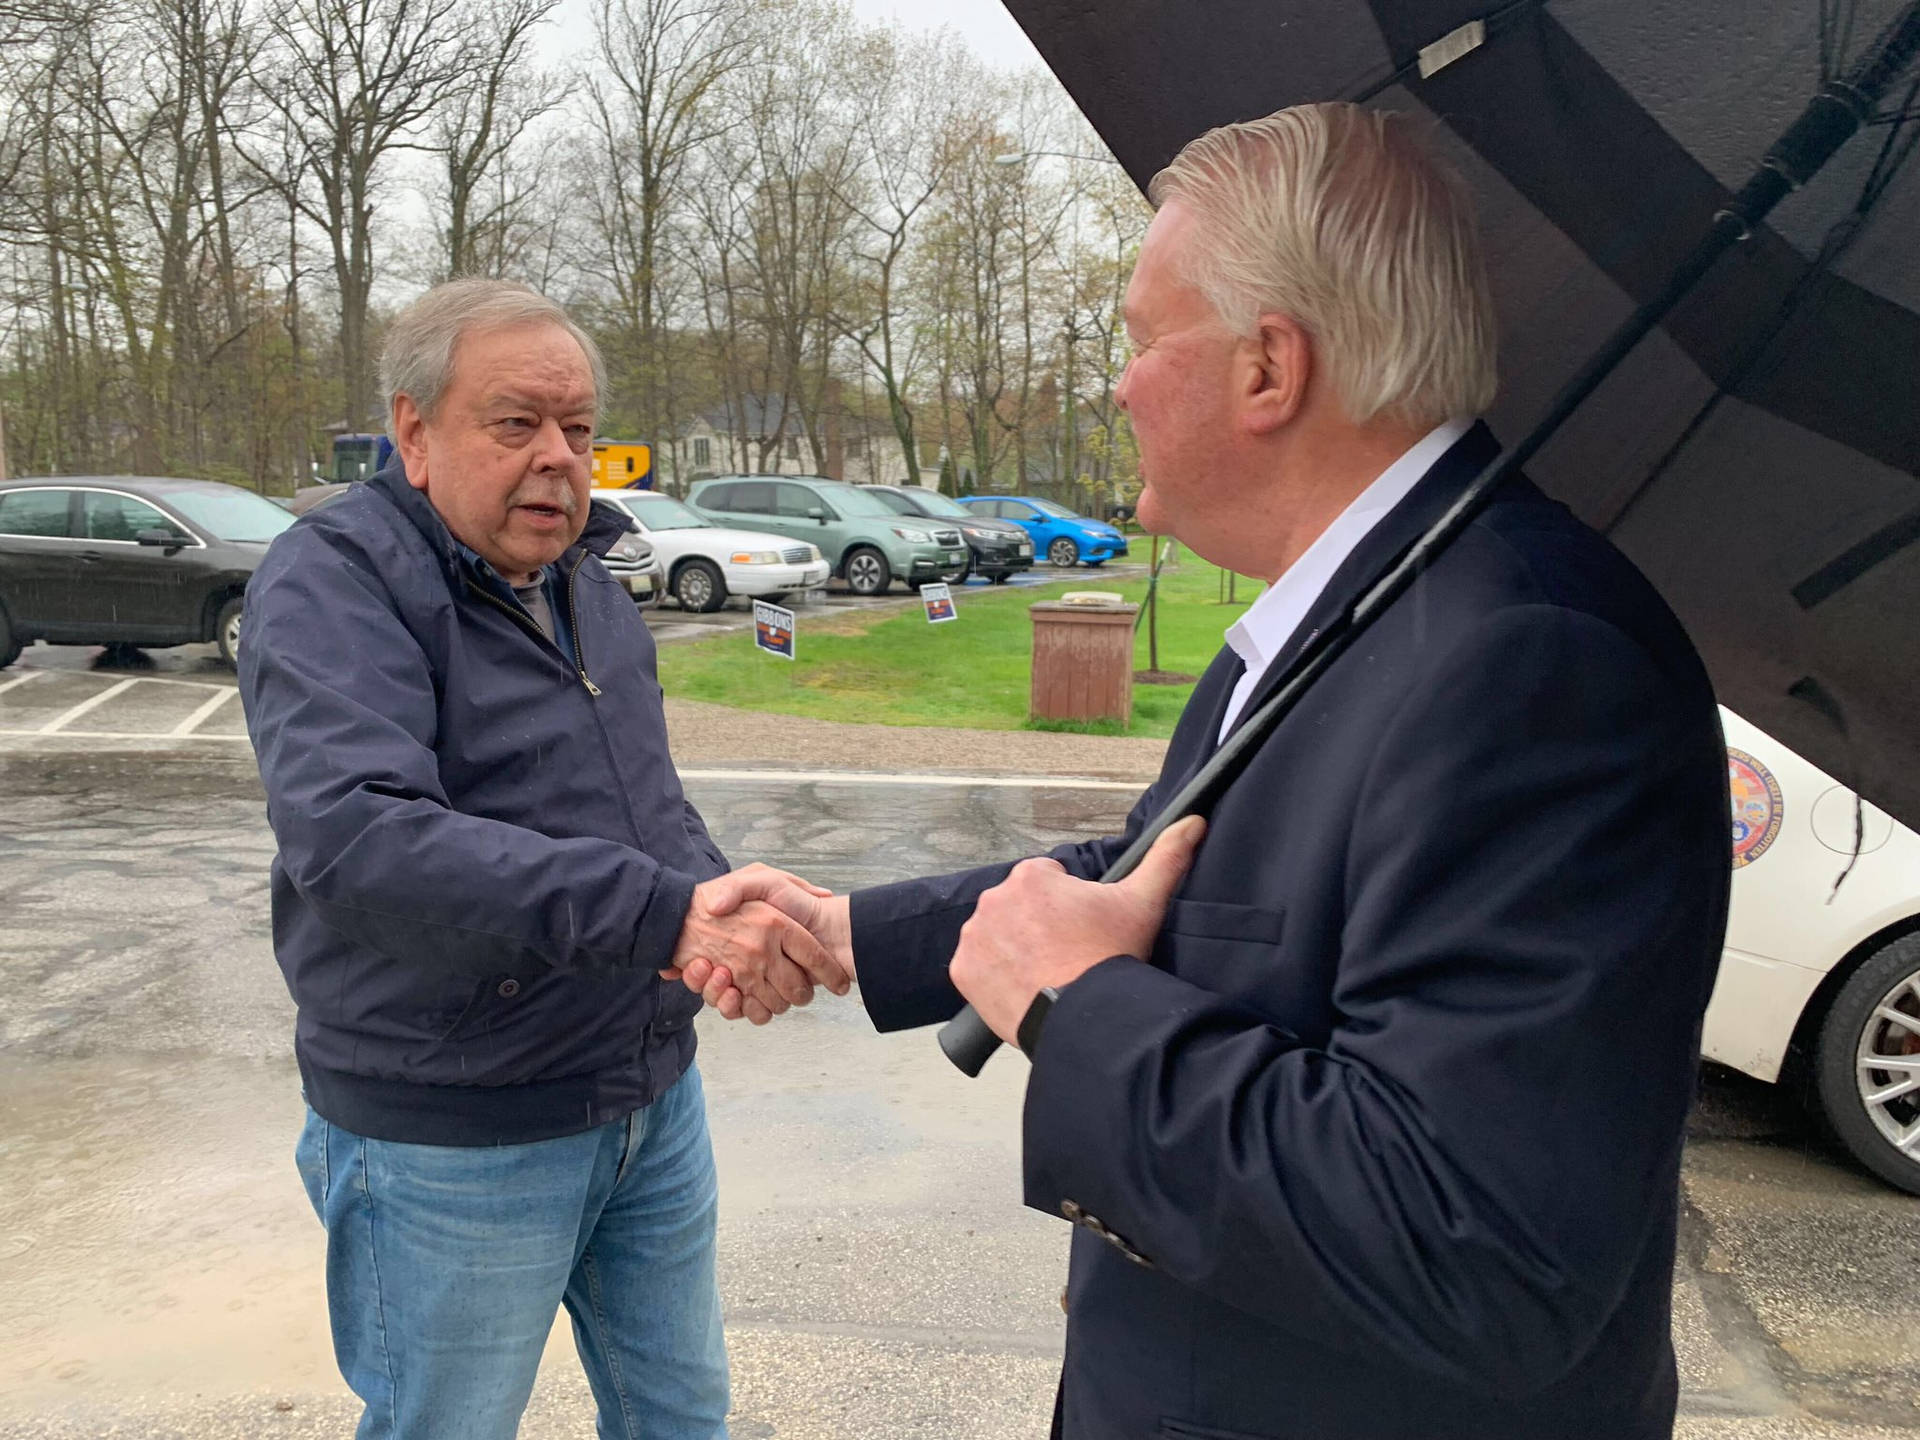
<point>562,500</point>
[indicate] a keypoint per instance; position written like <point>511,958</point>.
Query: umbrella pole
<point>1830,119</point>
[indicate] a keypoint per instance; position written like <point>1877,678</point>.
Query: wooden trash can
<point>1082,661</point>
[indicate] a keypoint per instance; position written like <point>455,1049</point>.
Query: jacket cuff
<point>661,921</point>
<point>900,956</point>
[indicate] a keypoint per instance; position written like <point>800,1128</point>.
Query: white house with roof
<point>768,438</point>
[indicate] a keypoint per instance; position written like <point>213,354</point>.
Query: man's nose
<point>551,451</point>
<point>1120,386</point>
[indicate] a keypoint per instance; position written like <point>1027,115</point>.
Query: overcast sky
<point>984,24</point>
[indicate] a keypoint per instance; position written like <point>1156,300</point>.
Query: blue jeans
<point>447,1264</point>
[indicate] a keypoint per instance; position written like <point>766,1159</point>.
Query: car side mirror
<point>165,539</point>
<point>816,513</point>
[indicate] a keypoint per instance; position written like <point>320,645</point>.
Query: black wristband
<point>1029,1032</point>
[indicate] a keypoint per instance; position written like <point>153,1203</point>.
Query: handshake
<point>757,941</point>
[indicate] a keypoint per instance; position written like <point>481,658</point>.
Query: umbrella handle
<point>968,1043</point>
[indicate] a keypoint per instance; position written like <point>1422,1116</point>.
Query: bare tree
<point>476,129</point>
<point>653,109</point>
<point>908,143</point>
<point>353,82</point>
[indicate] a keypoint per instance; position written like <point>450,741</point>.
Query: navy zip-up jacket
<point>484,851</point>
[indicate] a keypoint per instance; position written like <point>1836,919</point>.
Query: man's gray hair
<point>417,359</point>
<point>1339,218</point>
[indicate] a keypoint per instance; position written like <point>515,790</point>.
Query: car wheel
<point>10,645</point>
<point>1063,553</point>
<point>699,587</point>
<point>868,572</point>
<point>1867,1064</point>
<point>226,630</point>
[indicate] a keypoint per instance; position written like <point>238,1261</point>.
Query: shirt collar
<point>471,559</point>
<point>1257,636</point>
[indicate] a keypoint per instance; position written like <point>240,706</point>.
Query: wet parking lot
<point>160,1271</point>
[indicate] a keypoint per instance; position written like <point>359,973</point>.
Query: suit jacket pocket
<point>1216,920</point>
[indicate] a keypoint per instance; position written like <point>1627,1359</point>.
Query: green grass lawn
<point>973,672</point>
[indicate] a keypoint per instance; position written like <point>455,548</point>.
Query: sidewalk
<point>714,735</point>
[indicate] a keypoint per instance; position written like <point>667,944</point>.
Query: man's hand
<point>824,914</point>
<point>743,925</point>
<point>1041,926</point>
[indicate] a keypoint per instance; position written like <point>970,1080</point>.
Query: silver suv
<point>866,541</point>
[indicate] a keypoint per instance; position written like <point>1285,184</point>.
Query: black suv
<point>128,560</point>
<point>996,548</point>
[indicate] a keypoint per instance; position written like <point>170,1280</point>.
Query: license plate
<point>1026,549</point>
<point>954,557</point>
<point>641,585</point>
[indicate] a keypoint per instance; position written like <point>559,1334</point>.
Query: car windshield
<point>1047,507</point>
<point>663,512</point>
<point>851,500</point>
<point>932,502</point>
<point>232,514</point>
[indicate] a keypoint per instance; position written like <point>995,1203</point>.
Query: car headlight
<point>755,557</point>
<point>913,536</point>
<point>976,532</point>
<point>630,550</point>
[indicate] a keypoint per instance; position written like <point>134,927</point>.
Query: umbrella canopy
<point>1757,455</point>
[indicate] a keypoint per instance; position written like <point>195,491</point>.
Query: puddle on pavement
<point>144,1246</point>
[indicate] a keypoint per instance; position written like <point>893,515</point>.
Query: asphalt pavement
<point>160,1272</point>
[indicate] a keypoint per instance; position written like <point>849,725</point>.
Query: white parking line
<point>144,679</point>
<point>30,675</point>
<point>870,777</point>
<point>782,777</point>
<point>53,726</point>
<point>187,726</point>
<point>149,735</point>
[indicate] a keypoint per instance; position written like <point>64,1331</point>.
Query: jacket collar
<point>605,523</point>
<point>1380,547</point>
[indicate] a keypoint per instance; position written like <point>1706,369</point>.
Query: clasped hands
<point>758,940</point>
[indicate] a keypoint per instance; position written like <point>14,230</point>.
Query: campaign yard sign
<point>773,629</point>
<point>939,602</point>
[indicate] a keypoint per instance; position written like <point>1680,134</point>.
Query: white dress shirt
<point>1257,636</point>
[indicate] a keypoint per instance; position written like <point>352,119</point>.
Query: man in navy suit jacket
<point>1370,1120</point>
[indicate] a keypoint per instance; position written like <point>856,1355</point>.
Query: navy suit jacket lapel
<point>1398,529</point>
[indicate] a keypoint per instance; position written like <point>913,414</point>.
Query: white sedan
<point>1820,979</point>
<point>705,563</point>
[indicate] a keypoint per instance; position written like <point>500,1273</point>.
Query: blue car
<point>1065,538</point>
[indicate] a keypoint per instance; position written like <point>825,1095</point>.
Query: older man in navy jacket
<point>1370,1122</point>
<point>484,860</point>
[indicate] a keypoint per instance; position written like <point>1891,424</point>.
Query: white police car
<point>1820,978</point>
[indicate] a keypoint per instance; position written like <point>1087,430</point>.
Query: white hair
<point>417,359</point>
<point>1337,217</point>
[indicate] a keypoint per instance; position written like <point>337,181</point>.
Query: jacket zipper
<point>526,622</point>
<point>573,611</point>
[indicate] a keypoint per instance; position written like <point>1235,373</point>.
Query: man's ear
<point>1279,366</point>
<point>410,430</point>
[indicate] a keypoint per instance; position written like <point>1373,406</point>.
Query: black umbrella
<point>1736,402</point>
<point>1757,457</point>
